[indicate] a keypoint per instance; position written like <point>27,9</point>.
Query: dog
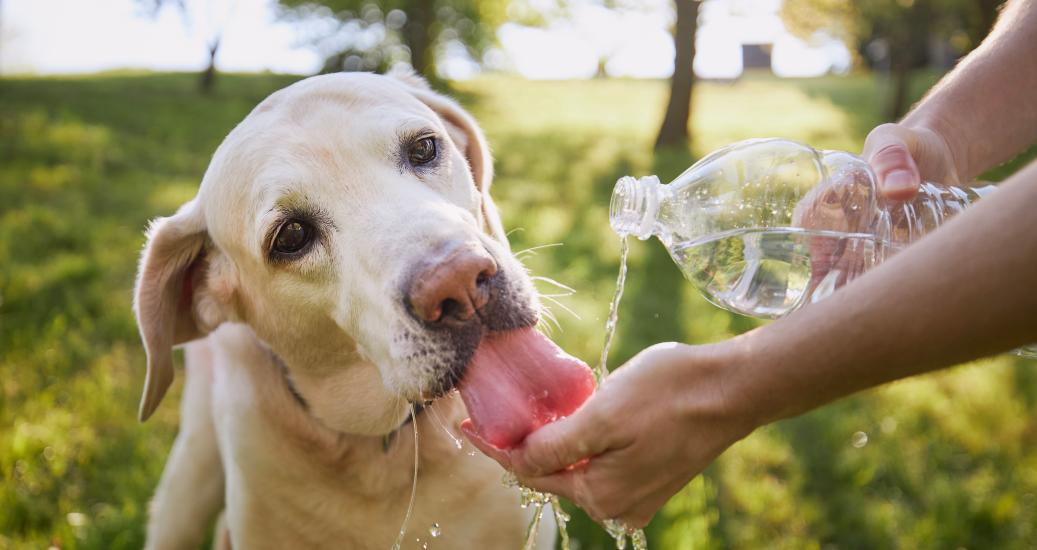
<point>335,271</point>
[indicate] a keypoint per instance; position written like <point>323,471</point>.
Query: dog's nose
<point>453,289</point>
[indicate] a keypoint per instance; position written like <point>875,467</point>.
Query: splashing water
<point>531,497</point>
<point>620,532</point>
<point>413,486</point>
<point>561,519</point>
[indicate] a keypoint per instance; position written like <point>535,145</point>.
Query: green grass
<point>951,459</point>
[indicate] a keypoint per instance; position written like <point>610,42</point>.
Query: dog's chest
<point>288,488</point>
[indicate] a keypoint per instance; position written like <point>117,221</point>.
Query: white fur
<point>326,326</point>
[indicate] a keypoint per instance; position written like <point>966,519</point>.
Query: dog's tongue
<point>517,382</point>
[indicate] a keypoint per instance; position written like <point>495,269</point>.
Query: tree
<point>903,31</point>
<point>372,35</point>
<point>674,129</point>
<point>191,12</point>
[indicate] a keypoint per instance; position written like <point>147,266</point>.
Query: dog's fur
<point>301,371</point>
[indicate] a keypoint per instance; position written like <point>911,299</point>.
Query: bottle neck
<point>635,205</point>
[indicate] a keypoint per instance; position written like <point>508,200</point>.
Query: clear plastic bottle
<point>765,226</point>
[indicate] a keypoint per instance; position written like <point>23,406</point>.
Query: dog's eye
<point>292,237</point>
<point>422,151</point>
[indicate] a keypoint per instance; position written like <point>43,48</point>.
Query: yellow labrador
<point>341,261</point>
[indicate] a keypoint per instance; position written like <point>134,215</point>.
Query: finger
<point>561,444</point>
<point>487,448</point>
<point>888,151</point>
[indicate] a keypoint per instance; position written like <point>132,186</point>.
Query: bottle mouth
<point>633,207</point>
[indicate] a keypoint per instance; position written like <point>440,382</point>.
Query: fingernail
<point>898,180</point>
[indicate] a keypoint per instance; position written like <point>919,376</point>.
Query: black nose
<point>453,288</point>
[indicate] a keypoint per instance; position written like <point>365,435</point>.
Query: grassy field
<point>950,460</point>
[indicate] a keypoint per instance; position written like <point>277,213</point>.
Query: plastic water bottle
<point>765,226</point>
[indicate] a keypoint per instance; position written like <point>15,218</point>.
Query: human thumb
<point>888,151</point>
<point>562,443</point>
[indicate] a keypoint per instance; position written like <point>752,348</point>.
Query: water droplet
<point>859,439</point>
<point>638,540</point>
<point>434,530</point>
<point>458,443</point>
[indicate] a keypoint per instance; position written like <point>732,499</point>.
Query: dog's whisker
<point>532,250</point>
<point>514,230</point>
<point>549,280</point>
<point>550,321</point>
<point>559,303</point>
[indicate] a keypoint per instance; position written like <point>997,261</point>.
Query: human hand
<point>904,156</point>
<point>901,156</point>
<point>654,424</point>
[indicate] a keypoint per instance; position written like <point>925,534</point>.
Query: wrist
<point>735,399</point>
<point>755,388</point>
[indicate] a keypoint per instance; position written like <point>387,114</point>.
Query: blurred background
<point>110,110</point>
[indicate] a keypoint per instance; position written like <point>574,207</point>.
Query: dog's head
<point>347,221</point>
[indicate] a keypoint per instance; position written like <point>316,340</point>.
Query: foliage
<point>375,34</point>
<point>897,36</point>
<point>962,23</point>
<point>950,460</point>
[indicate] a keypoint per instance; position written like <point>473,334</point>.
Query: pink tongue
<point>518,381</point>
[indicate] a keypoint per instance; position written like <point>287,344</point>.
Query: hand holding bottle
<point>904,156</point>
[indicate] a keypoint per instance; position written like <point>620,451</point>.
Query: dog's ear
<point>468,138</point>
<point>172,301</point>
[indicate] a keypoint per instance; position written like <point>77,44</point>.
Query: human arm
<point>963,292</point>
<point>979,115</point>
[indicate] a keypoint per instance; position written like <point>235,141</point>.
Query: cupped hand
<point>654,424</point>
<point>904,156</point>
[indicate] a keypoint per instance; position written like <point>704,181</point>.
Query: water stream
<point>538,500</point>
<point>413,487</point>
<point>615,528</point>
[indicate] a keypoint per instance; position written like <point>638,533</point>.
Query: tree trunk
<point>417,34</point>
<point>208,76</point>
<point>900,72</point>
<point>909,50</point>
<point>674,130</point>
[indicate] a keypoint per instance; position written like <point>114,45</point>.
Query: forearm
<point>985,108</point>
<point>963,292</point>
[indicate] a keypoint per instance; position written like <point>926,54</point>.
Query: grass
<point>950,459</point>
